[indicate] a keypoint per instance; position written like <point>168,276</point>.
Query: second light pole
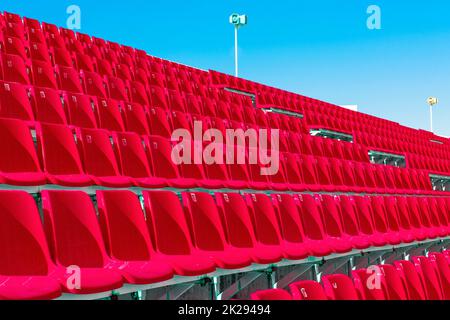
<point>238,20</point>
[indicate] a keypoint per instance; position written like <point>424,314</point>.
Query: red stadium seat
<point>15,69</point>
<point>99,160</point>
<point>75,239</point>
<point>19,163</point>
<point>307,290</point>
<point>127,239</point>
<point>133,160</point>
<point>208,231</point>
<point>80,110</point>
<point>26,269</point>
<point>109,115</point>
<point>15,101</point>
<point>60,156</point>
<point>339,287</point>
<point>272,294</point>
<point>168,226</point>
<point>240,229</point>
<point>49,107</point>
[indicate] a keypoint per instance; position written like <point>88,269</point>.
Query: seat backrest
<point>412,281</point>
<point>123,225</point>
<point>166,222</point>
<point>109,115</point>
<point>49,108</point>
<point>393,284</point>
<point>368,284</point>
<point>97,153</point>
<point>349,219</point>
<point>442,266</point>
<point>272,294</point>
<point>72,229</point>
<point>131,155</point>
<point>239,227</point>
<point>23,246</point>
<point>311,217</point>
<point>58,149</point>
<point>430,278</point>
<point>264,219</point>
<point>160,154</point>
<point>331,216</point>
<point>339,287</point>
<point>14,101</point>
<point>286,207</point>
<point>364,214</point>
<point>205,222</point>
<point>307,290</point>
<point>136,118</point>
<point>80,110</point>
<point>17,151</point>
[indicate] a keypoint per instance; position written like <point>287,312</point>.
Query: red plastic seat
<point>364,215</point>
<point>39,52</point>
<point>75,239</point>
<point>94,84</point>
<point>26,271</point>
<point>332,224</point>
<point>139,94</point>
<point>109,115</point>
<point>267,228</point>
<point>14,69</point>
<point>49,107</point>
<point>430,278</point>
<point>168,227</point>
<point>163,165</point>
<point>208,231</point>
<point>240,229</point>
<point>99,160</point>
<point>135,116</point>
<point>15,102</point>
<point>117,89</point>
<point>442,267</point>
<point>307,290</point>
<point>366,282</point>
<point>19,163</point>
<point>272,294</point>
<point>339,287</point>
<point>411,279</point>
<point>60,156</point>
<point>158,98</point>
<point>15,46</point>
<point>44,75</point>
<point>127,239</point>
<point>80,110</point>
<point>69,79</point>
<point>291,228</point>
<point>133,160</point>
<point>159,123</point>
<point>394,287</point>
<point>350,224</point>
<point>313,225</point>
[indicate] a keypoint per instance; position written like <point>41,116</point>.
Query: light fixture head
<point>432,101</point>
<point>238,20</point>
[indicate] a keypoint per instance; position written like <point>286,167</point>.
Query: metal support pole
<point>431,118</point>
<point>236,51</point>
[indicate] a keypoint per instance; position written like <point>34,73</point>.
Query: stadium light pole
<point>238,21</point>
<point>432,101</point>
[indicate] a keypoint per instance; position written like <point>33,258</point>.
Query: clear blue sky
<point>318,48</point>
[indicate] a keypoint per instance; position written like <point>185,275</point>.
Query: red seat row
<point>84,157</point>
<point>188,238</point>
<point>422,278</point>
